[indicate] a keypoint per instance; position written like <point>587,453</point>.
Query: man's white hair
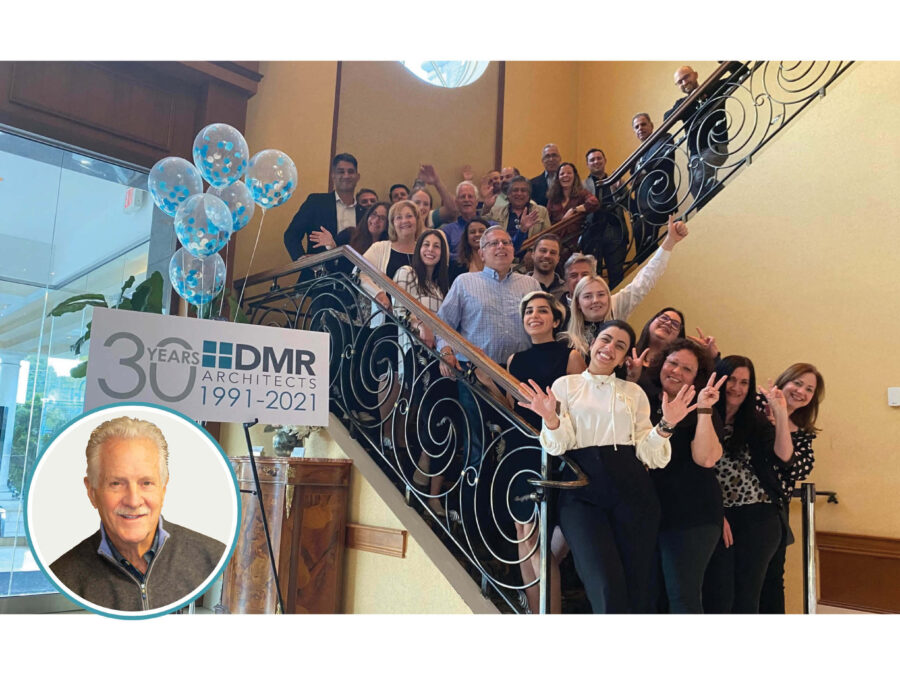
<point>127,428</point>
<point>470,184</point>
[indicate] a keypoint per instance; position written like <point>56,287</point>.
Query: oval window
<point>447,73</point>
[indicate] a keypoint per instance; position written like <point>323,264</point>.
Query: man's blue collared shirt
<point>110,552</point>
<point>454,232</point>
<point>485,310</point>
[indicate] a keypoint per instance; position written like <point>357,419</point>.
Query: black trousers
<point>735,575</point>
<point>684,555</point>
<point>771,599</point>
<point>611,527</point>
<point>606,238</point>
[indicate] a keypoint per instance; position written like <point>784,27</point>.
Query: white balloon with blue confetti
<point>221,154</point>
<point>239,201</point>
<point>203,224</point>
<point>271,177</point>
<point>171,181</point>
<point>197,280</point>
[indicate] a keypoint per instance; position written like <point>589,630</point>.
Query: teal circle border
<point>135,615</point>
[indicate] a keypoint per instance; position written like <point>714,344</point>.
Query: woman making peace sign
<point>687,488</point>
<point>603,423</point>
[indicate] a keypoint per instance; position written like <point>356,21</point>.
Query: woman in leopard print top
<point>751,492</point>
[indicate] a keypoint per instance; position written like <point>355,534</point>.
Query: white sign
<point>212,371</point>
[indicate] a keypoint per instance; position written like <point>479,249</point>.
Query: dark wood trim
<point>859,572</point>
<point>334,122</point>
<point>383,540</point>
<point>236,74</point>
<point>501,90</point>
<point>134,111</point>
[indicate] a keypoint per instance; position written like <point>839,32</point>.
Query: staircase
<point>406,417</point>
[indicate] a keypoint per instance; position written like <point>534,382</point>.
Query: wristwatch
<point>665,427</point>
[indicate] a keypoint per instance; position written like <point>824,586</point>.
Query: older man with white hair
<point>136,561</point>
<point>467,208</point>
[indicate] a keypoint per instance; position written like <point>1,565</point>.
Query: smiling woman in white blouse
<point>603,424</point>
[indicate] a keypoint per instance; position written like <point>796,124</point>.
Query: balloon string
<point>201,286</point>
<point>222,303</point>
<point>250,266</point>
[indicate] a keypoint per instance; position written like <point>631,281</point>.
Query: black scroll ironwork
<point>466,466</point>
<point>695,153</point>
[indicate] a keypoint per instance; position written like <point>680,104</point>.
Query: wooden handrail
<point>553,229</point>
<point>676,117</point>
<point>628,165</point>
<point>473,354</point>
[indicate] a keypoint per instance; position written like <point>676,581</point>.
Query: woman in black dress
<point>689,496</point>
<point>545,361</point>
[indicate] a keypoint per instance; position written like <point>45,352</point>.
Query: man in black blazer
<point>333,211</point>
<point>551,159</point>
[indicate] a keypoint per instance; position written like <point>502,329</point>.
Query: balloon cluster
<point>204,222</point>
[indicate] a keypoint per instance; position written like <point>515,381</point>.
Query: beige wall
<point>797,261</point>
<point>393,122</point>
<point>293,112</point>
<point>540,106</point>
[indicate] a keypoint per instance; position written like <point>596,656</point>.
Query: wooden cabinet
<point>306,507</point>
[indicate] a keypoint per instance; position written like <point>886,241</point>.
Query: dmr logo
<point>228,355</point>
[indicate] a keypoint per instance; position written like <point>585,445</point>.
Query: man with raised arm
<point>422,198</point>
<point>467,208</point>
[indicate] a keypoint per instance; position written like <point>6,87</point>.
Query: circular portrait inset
<point>132,510</point>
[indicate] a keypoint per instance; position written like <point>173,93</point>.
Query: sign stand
<point>262,512</point>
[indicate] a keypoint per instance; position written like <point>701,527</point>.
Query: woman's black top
<point>688,493</point>
<point>456,268</point>
<point>544,363</point>
<point>396,261</point>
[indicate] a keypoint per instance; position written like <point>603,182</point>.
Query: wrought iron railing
<point>697,151</point>
<point>387,389</point>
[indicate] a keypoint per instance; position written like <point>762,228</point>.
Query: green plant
<point>147,296</point>
<point>216,309</point>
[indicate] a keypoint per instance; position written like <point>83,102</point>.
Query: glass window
<point>447,73</point>
<point>69,224</point>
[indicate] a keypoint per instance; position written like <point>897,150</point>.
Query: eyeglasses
<point>666,319</point>
<point>498,242</point>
